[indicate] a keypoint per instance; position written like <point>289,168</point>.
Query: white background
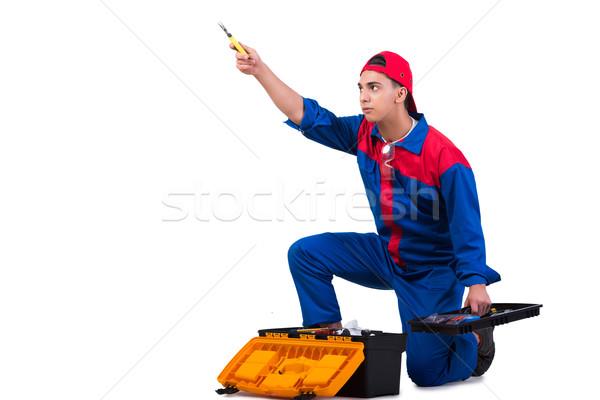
<point>116,117</point>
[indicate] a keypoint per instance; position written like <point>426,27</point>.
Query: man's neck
<point>396,126</point>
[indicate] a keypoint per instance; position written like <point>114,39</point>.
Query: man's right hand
<point>286,99</point>
<point>249,64</point>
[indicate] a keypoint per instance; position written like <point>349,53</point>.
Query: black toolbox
<point>379,373</point>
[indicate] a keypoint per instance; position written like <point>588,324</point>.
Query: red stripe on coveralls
<point>387,213</point>
<point>372,147</point>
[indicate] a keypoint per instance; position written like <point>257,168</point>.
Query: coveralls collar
<point>414,141</point>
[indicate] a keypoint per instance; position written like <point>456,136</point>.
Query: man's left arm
<point>458,188</point>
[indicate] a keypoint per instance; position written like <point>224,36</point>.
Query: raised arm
<point>286,99</point>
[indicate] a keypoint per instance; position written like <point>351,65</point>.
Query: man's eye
<point>374,88</point>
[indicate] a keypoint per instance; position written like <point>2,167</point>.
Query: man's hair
<point>379,61</point>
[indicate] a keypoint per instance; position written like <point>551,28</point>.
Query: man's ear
<point>401,94</point>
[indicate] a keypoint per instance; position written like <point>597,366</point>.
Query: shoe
<point>486,351</point>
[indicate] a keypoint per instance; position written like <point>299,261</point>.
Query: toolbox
<point>500,313</point>
<point>302,365</point>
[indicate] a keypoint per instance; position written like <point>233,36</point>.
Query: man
<point>429,244</point>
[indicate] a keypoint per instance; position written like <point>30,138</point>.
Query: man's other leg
<point>434,359</point>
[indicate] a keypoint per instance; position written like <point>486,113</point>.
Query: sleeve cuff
<point>470,275</point>
<point>311,117</point>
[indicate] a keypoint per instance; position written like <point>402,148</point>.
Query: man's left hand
<point>478,299</point>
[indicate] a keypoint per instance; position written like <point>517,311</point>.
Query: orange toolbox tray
<point>286,363</point>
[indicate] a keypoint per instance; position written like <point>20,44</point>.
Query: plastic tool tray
<point>504,313</point>
<point>302,365</point>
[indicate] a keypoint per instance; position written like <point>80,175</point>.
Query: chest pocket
<point>369,169</point>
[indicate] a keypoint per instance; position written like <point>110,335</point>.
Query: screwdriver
<point>235,42</point>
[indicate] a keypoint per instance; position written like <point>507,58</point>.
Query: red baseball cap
<point>396,68</point>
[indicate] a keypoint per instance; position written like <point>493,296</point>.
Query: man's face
<point>377,95</point>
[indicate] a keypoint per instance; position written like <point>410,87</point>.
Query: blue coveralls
<point>429,244</point>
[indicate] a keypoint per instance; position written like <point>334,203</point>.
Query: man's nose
<point>364,97</point>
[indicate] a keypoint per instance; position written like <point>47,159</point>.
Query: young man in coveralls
<point>429,244</point>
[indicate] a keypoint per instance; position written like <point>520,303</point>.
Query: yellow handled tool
<point>235,42</point>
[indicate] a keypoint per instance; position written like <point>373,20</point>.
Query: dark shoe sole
<point>486,352</point>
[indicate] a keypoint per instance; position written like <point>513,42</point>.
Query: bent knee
<point>423,372</point>
<point>301,248</point>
